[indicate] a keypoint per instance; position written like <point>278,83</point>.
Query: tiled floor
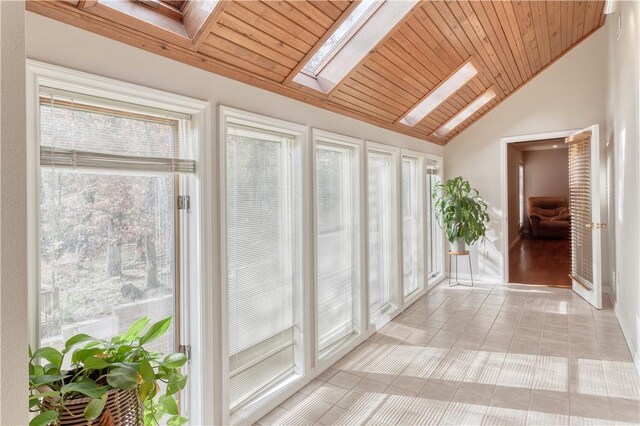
<point>490,355</point>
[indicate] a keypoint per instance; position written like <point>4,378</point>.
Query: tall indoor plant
<point>461,212</point>
<point>109,382</point>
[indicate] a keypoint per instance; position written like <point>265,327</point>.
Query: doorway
<point>536,197</point>
<point>539,218</point>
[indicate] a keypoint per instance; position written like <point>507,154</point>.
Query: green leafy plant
<point>460,210</point>
<point>97,366</point>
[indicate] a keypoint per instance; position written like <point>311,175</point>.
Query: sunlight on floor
<point>484,355</point>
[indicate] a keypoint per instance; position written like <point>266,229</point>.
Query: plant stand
<point>456,254</point>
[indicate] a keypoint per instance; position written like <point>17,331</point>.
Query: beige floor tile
<point>294,400</point>
<point>273,417</point>
<point>483,355</point>
<point>332,416</point>
<point>548,404</point>
<point>412,384</point>
<point>437,390</point>
<point>329,393</point>
<point>327,374</point>
<point>369,385</point>
<point>507,397</point>
<point>311,386</point>
<point>344,380</point>
<point>350,399</point>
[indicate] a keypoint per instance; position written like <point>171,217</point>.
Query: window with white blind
<point>382,230</point>
<point>434,235</point>
<point>262,268</point>
<point>412,224</point>
<point>520,195</point>
<point>337,203</point>
<point>109,227</point>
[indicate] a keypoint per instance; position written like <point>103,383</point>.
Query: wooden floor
<point>545,262</point>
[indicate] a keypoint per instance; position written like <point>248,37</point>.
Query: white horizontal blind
<point>411,225</point>
<point>380,246</point>
<point>78,131</point>
<point>433,167</point>
<point>337,242</point>
<point>520,196</point>
<point>433,232</point>
<point>260,263</point>
<point>580,192</point>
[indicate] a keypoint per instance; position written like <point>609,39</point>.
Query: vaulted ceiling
<point>266,43</point>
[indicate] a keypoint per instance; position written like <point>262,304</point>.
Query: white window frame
<point>433,281</point>
<point>198,324</point>
<point>395,292</point>
<point>419,157</point>
<point>255,409</point>
<point>325,360</point>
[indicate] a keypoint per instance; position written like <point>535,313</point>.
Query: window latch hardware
<point>186,350</point>
<point>184,202</point>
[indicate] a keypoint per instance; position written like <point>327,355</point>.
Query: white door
<point>586,226</point>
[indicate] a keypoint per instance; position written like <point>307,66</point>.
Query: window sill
<point>253,410</point>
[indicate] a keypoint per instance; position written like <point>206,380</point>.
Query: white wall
<point>622,117</point>
<point>546,174</point>
<point>570,94</point>
<point>60,44</point>
<point>13,223</point>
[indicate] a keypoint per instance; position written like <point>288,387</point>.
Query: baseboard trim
<point>485,279</point>
<point>626,334</point>
<point>515,241</point>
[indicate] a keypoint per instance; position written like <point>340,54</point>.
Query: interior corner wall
<point>546,174</point>
<point>514,158</point>
<point>569,94</point>
<point>623,139</point>
<point>49,41</point>
<point>13,223</point>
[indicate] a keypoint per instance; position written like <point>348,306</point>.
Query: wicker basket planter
<point>123,408</point>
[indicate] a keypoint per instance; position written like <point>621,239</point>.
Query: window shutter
<point>580,191</point>
<point>260,260</point>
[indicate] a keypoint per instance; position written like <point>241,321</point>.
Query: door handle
<point>596,225</point>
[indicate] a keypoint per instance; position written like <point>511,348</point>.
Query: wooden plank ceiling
<point>266,42</point>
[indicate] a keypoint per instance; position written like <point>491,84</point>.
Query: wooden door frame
<point>504,182</point>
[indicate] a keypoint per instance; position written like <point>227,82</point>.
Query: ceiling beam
<point>200,17</point>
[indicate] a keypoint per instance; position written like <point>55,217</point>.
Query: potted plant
<point>111,382</point>
<point>461,212</point>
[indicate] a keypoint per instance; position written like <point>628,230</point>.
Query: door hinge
<point>184,202</point>
<point>186,350</point>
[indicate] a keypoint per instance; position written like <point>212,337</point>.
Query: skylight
<point>467,112</point>
<point>440,94</point>
<point>350,25</point>
<point>364,28</point>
